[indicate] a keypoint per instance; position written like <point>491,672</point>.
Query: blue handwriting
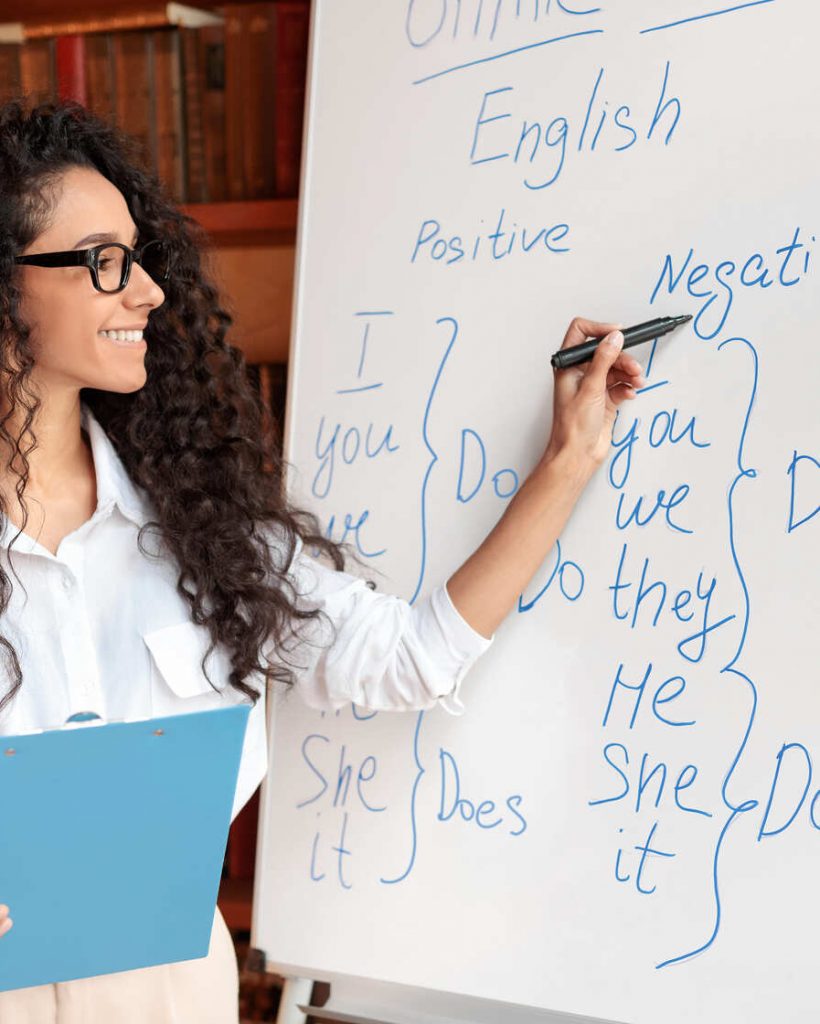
<point>355,442</point>
<point>485,814</point>
<point>692,647</point>
<point>474,453</point>
<point>493,245</point>
<point>542,146</point>
<point>804,515</point>
<point>714,284</point>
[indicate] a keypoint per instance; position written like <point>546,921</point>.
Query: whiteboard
<point>625,823</point>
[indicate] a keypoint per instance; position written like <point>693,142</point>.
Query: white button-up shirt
<point>100,627</point>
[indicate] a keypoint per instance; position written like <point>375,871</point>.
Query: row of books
<point>217,108</point>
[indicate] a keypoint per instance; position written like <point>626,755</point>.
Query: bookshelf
<point>34,10</point>
<point>251,233</point>
<point>249,222</point>
<point>120,60</point>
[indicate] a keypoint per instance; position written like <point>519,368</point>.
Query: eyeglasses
<point>109,264</point>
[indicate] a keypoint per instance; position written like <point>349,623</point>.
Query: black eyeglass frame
<point>90,258</point>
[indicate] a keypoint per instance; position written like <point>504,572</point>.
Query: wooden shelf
<point>22,10</point>
<point>34,10</point>
<point>250,222</point>
<point>235,902</point>
<point>31,10</point>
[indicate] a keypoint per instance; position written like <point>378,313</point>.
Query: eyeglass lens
<point>111,263</point>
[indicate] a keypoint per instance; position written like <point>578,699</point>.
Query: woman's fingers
<point>581,329</point>
<point>5,921</point>
<point>602,371</point>
<point>619,392</point>
<point>611,368</point>
<point>618,376</point>
<point>603,362</point>
<point>587,396</point>
<point>627,364</point>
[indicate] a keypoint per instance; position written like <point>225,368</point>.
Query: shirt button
<point>67,583</point>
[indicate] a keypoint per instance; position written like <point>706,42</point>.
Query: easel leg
<point>296,991</point>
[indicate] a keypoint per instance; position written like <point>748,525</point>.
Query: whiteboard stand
<point>293,1004</point>
<point>356,1000</point>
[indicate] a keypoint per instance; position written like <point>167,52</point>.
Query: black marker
<point>632,336</point>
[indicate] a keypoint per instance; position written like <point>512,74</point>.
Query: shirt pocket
<point>178,684</point>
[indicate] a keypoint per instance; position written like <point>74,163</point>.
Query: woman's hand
<point>5,921</point>
<point>587,396</point>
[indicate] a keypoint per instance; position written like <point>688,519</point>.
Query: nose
<point>142,289</point>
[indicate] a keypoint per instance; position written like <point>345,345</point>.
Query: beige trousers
<point>204,991</point>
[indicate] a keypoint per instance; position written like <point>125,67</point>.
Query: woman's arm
<point>486,587</point>
<point>377,651</point>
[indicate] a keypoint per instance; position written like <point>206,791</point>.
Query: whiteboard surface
<point>683,151</point>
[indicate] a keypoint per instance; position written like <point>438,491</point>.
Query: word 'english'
<point>542,145</point>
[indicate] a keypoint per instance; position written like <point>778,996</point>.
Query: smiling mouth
<point>126,338</point>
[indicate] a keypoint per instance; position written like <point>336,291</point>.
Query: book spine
<point>10,80</point>
<point>259,101</point>
<point>151,82</point>
<point>132,62</point>
<point>292,31</point>
<point>196,183</point>
<point>178,108</point>
<point>167,112</point>
<point>212,52</point>
<point>70,62</point>
<point>38,72</point>
<point>236,87</point>
<point>101,91</point>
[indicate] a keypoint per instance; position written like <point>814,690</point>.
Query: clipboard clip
<point>92,718</point>
<point>83,718</point>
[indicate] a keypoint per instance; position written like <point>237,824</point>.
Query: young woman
<point>149,560</point>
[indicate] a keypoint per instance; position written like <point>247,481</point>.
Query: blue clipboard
<point>112,839</point>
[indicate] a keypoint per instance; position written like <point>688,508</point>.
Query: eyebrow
<point>102,236</point>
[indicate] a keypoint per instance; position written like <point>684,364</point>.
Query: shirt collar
<point>114,486</point>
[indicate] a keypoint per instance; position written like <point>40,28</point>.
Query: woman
<point>144,522</point>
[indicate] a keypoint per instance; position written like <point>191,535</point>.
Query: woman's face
<point>63,309</point>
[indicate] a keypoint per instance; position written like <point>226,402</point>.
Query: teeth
<point>122,335</point>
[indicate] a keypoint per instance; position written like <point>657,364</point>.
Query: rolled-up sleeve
<point>376,650</point>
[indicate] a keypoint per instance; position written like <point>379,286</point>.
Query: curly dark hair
<point>197,437</point>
